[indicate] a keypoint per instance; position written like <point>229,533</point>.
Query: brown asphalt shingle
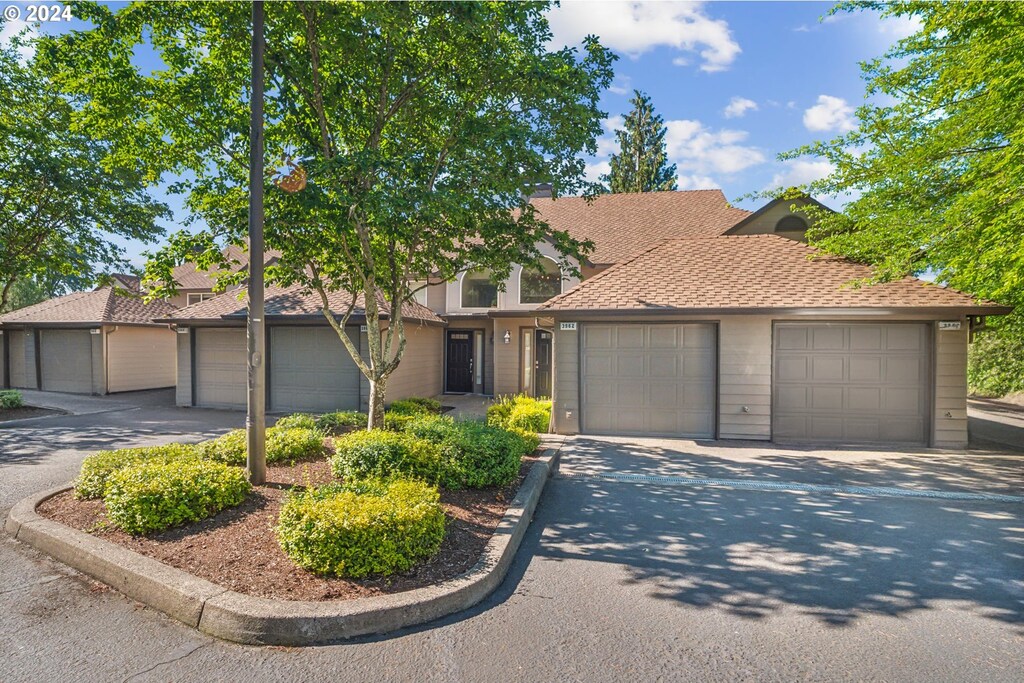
<point>289,301</point>
<point>746,272</point>
<point>621,225</point>
<point>104,305</point>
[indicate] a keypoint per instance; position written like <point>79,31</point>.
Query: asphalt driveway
<point>616,580</point>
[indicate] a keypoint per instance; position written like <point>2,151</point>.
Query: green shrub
<point>995,359</point>
<point>383,454</point>
<point>520,412</point>
<point>396,422</point>
<point>341,422</point>
<point>362,528</point>
<point>415,406</point>
<point>474,454</point>
<point>156,495</point>
<point>297,421</point>
<point>283,445</point>
<point>10,398</point>
<point>98,467</point>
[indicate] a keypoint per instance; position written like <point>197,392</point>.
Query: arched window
<point>791,223</point>
<point>478,291</point>
<point>537,287</point>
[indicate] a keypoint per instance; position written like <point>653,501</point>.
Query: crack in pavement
<point>167,661</point>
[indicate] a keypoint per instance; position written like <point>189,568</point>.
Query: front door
<point>542,372</point>
<point>460,362</point>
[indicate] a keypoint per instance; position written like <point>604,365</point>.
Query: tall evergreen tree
<point>641,164</point>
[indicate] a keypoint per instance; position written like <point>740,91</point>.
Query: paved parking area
<point>616,581</point>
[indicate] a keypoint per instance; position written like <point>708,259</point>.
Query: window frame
<point>462,291</point>
<point>561,283</point>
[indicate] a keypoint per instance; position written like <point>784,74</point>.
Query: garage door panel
<point>66,360</point>
<point>863,383</point>
<point>20,378</point>
<point>660,380</point>
<point>311,371</point>
<point>221,373</point>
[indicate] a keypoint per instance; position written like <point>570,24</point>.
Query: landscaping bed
<point>25,412</point>
<point>237,548</point>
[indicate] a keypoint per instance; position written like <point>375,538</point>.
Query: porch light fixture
<point>507,337</point>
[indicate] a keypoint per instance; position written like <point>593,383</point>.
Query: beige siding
<point>419,373</point>
<point>507,369</point>
<point>949,428</point>
<point>23,372</point>
<point>565,380</point>
<point>99,362</point>
<point>183,387</point>
<point>436,295</point>
<point>745,377</point>
<point>141,358</point>
<point>766,222</point>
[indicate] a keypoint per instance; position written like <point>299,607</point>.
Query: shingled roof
<point>106,305</point>
<point>750,272</point>
<point>623,224</point>
<point>291,302</point>
<point>189,277</point>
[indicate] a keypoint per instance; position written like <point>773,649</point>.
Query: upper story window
<point>419,291</point>
<point>537,287</point>
<point>478,291</point>
<point>196,297</point>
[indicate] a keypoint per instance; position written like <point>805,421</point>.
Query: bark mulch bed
<point>27,411</point>
<point>237,549</point>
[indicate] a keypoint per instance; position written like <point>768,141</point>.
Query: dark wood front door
<point>460,362</point>
<point>542,372</point>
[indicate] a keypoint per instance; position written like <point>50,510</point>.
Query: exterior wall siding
<point>745,377</point>
<point>419,373</point>
<point>183,387</point>
<point>949,421</point>
<point>99,362</point>
<point>507,357</point>
<point>565,412</point>
<point>141,358</point>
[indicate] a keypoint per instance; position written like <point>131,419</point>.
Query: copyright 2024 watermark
<point>32,14</point>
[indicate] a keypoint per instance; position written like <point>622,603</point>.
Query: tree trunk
<point>378,388</point>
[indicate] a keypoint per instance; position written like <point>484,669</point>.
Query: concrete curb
<point>264,621</point>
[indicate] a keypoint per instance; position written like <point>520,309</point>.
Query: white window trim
<point>497,304</point>
<point>203,296</point>
<point>561,282</point>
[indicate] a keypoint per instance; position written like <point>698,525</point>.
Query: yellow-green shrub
<point>156,495</point>
<point>520,412</point>
<point>362,528</point>
<point>296,421</point>
<point>341,421</point>
<point>381,453</point>
<point>283,445</point>
<point>415,405</point>
<point>474,454</point>
<point>98,467</point>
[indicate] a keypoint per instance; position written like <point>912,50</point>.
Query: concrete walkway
<point>996,424</point>
<point>79,404</point>
<point>466,405</point>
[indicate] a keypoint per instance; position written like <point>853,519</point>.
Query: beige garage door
<point>220,368</point>
<point>66,360</point>
<point>311,371</point>
<point>851,383</point>
<point>648,380</point>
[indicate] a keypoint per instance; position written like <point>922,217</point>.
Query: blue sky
<point>736,82</point>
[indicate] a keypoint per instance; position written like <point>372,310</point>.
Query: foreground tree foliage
<point>62,203</point>
<point>936,164</point>
<point>642,162</point>
<point>420,128</point>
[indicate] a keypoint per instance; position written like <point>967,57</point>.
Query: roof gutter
<point>935,311</point>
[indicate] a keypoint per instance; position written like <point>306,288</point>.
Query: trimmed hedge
<point>474,454</point>
<point>520,412</point>
<point>99,467</point>
<point>296,421</point>
<point>362,528</point>
<point>416,405</point>
<point>10,399</point>
<point>283,444</point>
<point>383,454</point>
<point>341,422</point>
<point>156,495</point>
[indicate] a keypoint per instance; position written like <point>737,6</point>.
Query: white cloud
<point>899,27</point>
<point>696,149</point>
<point>623,85</point>
<point>9,29</point>
<point>637,27</point>
<point>738,106</point>
<point>696,182</point>
<point>593,172</point>
<point>799,172</point>
<point>830,113</point>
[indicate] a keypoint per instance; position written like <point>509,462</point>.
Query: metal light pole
<point>255,418</point>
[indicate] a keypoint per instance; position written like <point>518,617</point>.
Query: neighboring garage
<point>95,342</point>
<point>851,383</point>
<point>648,379</point>
<point>308,368</point>
<point>759,337</point>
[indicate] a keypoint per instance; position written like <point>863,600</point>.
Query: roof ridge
<point>108,307</point>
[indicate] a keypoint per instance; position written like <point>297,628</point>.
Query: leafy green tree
<point>421,129</point>
<point>61,205</point>
<point>642,163</point>
<point>935,167</point>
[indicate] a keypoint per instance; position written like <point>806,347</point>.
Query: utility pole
<point>255,417</point>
